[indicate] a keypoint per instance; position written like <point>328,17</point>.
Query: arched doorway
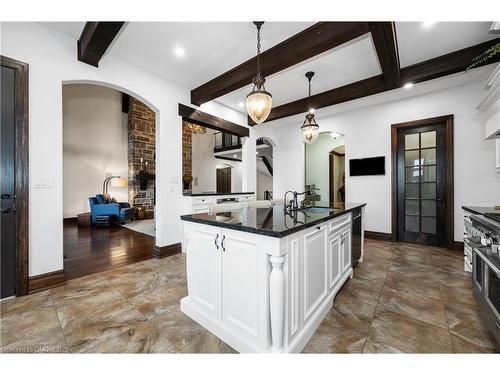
<point>324,170</point>
<point>109,169</point>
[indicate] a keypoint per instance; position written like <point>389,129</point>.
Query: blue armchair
<point>119,212</point>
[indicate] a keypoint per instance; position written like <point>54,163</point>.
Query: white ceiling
<point>348,63</point>
<point>212,48</point>
<point>418,43</point>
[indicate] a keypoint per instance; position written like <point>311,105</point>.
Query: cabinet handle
<point>318,227</point>
<point>215,241</point>
<point>341,238</point>
<point>222,243</point>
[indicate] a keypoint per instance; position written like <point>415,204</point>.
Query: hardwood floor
<point>90,250</point>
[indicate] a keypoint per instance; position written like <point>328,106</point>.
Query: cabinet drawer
<point>202,201</point>
<point>339,222</point>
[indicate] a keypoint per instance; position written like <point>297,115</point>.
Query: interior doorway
<point>14,186</point>
<point>264,165</point>
<point>337,176</point>
<point>324,166</point>
<point>422,175</point>
<point>223,180</point>
<point>109,187</point>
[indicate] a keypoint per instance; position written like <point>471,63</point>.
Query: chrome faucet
<point>294,204</point>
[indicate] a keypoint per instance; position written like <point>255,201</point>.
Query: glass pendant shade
<point>259,104</point>
<point>310,129</point>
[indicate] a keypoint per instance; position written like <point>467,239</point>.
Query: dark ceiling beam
<point>95,39</point>
<point>369,86</point>
<point>384,38</point>
<point>313,41</point>
<point>450,63</point>
<point>207,120</point>
<point>441,66</point>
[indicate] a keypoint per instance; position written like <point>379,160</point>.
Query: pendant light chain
<point>258,49</point>
<point>310,93</point>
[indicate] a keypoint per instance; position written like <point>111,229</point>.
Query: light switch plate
<point>43,182</point>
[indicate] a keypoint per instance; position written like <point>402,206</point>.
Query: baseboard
<point>458,245</point>
<point>46,281</point>
<point>70,220</point>
<point>166,251</point>
<point>378,236</point>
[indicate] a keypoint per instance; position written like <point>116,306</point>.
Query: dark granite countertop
<point>270,221</point>
<point>215,194</point>
<point>480,210</point>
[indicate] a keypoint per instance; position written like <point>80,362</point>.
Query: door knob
<point>5,196</point>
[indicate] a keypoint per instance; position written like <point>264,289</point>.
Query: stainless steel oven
<point>484,242</point>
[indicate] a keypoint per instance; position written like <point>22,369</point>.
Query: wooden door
<point>424,189</point>
<point>224,180</point>
<point>7,183</point>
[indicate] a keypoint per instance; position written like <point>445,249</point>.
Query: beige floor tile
<point>394,333</point>
<point>143,338</point>
<point>36,330</point>
<point>187,335</point>
<point>416,286</point>
<point>26,303</point>
<point>425,309</point>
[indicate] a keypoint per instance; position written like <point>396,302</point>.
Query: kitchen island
<point>262,280</point>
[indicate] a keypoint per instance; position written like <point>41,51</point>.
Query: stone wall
<point>141,145</point>
<point>187,159</point>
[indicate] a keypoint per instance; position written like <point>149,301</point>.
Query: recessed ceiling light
<point>179,51</point>
<point>241,104</point>
<point>427,24</point>
<point>408,85</point>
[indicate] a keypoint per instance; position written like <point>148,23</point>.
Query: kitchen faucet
<point>294,204</point>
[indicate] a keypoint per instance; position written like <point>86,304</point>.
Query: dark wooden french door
<point>424,182</point>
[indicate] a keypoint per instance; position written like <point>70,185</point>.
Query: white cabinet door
<point>346,249</point>
<point>315,271</point>
<point>334,259</point>
<point>242,286</point>
<point>203,262</point>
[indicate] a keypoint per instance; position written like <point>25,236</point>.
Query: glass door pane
<point>420,182</point>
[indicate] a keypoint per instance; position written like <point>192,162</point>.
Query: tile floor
<point>403,298</point>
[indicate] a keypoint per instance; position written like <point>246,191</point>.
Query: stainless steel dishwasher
<point>356,236</point>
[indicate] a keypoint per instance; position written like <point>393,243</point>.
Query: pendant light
<point>259,101</point>
<point>310,129</point>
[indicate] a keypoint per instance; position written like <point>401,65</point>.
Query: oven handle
<point>487,261</point>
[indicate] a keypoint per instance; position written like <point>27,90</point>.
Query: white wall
<point>95,139</point>
<point>52,61</point>
<point>204,165</point>
<point>368,133</point>
<point>317,163</point>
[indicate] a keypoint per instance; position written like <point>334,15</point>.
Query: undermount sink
<point>317,210</point>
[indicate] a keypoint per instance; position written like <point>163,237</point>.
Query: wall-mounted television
<point>367,166</point>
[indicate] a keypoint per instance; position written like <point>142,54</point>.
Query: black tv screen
<point>367,166</point>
